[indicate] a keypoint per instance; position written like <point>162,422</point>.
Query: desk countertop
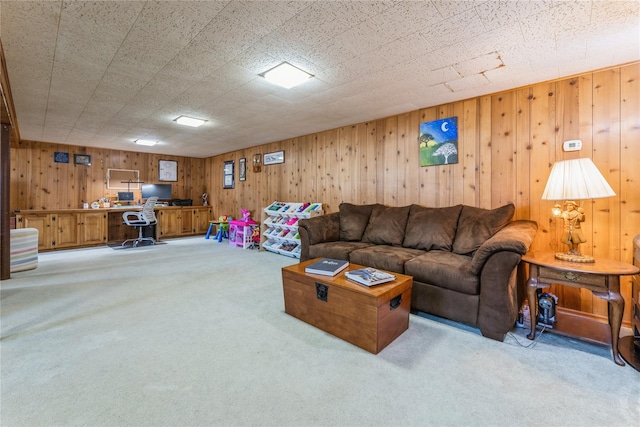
<point>110,209</point>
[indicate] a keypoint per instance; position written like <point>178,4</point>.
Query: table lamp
<point>572,181</point>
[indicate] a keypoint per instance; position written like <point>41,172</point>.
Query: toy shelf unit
<point>241,233</point>
<point>279,229</point>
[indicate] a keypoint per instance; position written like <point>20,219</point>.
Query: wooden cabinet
<point>55,230</point>
<point>64,228</point>
<point>71,228</point>
<point>169,222</point>
<point>92,227</point>
<point>201,217</point>
<point>41,222</point>
<point>183,221</point>
<point>186,221</point>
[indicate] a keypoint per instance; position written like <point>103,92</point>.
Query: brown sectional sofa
<point>463,259</point>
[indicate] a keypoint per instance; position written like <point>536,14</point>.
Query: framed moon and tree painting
<point>439,142</point>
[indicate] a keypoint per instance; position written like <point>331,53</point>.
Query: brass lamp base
<point>568,256</point>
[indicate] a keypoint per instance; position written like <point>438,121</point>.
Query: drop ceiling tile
<point>446,56</point>
<point>507,37</point>
<point>468,82</point>
<point>227,34</point>
<point>478,65</point>
<point>194,62</point>
<point>467,25</point>
<point>53,133</point>
<point>364,37</point>
<point>175,23</point>
<point>497,14</point>
<point>98,22</point>
<point>281,45</point>
<point>357,11</point>
<point>255,60</point>
<point>449,8</point>
<point>260,17</point>
<point>317,23</point>
<point>79,137</point>
<point>400,20</point>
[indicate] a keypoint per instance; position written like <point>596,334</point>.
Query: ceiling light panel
<point>146,142</point>
<point>190,121</point>
<point>286,75</point>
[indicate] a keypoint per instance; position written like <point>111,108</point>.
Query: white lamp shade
<point>576,179</point>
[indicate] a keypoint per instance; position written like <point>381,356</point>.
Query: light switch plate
<point>572,145</point>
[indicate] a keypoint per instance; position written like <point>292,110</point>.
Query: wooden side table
<point>601,277</point>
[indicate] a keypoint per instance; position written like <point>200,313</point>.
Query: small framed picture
<point>274,158</point>
<point>82,159</point>
<point>242,173</point>
<point>257,163</point>
<point>167,170</point>
<point>228,181</point>
<point>61,157</point>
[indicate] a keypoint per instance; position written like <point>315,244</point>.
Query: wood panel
<point>37,182</point>
<point>507,145</point>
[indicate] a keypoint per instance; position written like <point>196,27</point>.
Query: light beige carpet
<point>193,333</point>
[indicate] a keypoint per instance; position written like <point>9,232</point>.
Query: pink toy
<point>246,217</point>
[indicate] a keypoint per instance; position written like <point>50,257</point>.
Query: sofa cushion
<point>335,250</point>
<point>444,269</point>
<point>353,221</point>
<point>386,225</point>
<point>431,228</point>
<point>475,225</point>
<point>384,257</point>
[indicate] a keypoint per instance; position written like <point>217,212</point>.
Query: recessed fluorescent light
<point>190,121</point>
<point>286,75</point>
<point>147,142</point>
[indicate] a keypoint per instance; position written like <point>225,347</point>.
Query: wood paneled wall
<point>508,143</point>
<point>37,182</point>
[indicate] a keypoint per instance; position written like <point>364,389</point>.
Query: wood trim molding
<point>586,326</point>
<point>5,173</point>
<point>8,114</point>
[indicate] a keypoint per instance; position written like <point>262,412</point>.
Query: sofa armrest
<point>516,237</point>
<point>498,306</point>
<point>319,229</point>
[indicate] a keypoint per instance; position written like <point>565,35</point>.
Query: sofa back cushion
<point>431,228</point>
<point>353,221</point>
<point>386,225</point>
<point>476,225</point>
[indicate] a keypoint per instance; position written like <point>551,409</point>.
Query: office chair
<point>141,219</point>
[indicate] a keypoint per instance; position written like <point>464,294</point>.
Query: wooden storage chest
<point>370,318</point>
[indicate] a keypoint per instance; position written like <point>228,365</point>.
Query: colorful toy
<point>246,217</point>
<point>223,227</point>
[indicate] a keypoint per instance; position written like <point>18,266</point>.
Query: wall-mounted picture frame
<point>82,159</point>
<point>60,157</point>
<point>274,158</point>
<point>242,172</point>
<point>167,170</point>
<point>257,163</point>
<point>439,142</point>
<point>228,181</point>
